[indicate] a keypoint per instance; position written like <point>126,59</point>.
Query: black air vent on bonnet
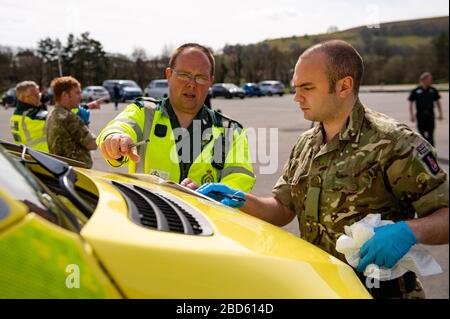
<point>155,210</point>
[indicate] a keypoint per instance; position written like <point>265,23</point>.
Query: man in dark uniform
<point>116,95</point>
<point>425,96</point>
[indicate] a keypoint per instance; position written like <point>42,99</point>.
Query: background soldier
<point>67,134</point>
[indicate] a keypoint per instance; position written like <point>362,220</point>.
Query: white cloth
<point>417,259</point>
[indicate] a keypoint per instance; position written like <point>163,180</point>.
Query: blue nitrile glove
<point>223,193</point>
<point>386,247</point>
<point>84,114</point>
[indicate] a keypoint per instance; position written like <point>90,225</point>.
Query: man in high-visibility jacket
<point>28,121</point>
<point>187,142</point>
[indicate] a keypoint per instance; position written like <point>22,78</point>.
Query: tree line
<point>85,58</point>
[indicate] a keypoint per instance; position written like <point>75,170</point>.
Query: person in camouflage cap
<point>67,134</point>
<point>354,162</point>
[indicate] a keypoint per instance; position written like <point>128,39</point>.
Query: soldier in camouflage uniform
<point>354,162</point>
<point>67,134</point>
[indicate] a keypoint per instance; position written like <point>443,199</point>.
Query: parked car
<point>120,235</point>
<point>9,97</point>
<point>92,93</point>
<point>227,90</point>
<point>252,89</point>
<point>157,89</point>
<point>271,88</point>
<point>129,90</point>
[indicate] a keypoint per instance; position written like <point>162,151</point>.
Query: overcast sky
<point>122,25</point>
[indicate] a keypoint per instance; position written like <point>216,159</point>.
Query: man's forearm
<point>268,209</point>
<point>438,103</point>
<point>432,229</point>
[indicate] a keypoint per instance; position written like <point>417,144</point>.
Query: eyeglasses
<point>35,95</point>
<point>185,76</point>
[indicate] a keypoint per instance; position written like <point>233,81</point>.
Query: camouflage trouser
<point>406,287</point>
<point>417,293</point>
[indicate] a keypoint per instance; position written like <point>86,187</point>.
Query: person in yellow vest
<point>181,139</point>
<point>28,121</point>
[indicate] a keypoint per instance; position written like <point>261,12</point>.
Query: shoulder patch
<point>422,149</point>
<point>431,163</point>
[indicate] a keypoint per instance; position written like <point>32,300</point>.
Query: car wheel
<point>242,97</point>
<point>280,94</point>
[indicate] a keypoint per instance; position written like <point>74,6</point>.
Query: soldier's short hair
<point>424,75</point>
<point>63,84</point>
<point>22,88</point>
<point>190,45</point>
<point>343,60</point>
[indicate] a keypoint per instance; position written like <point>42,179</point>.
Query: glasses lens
<point>201,80</point>
<point>182,75</point>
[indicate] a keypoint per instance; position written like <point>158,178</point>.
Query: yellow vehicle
<point>71,232</point>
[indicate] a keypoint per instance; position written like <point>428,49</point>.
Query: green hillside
<point>394,53</point>
<point>401,33</point>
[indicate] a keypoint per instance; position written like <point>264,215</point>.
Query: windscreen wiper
<point>61,170</point>
<point>66,177</point>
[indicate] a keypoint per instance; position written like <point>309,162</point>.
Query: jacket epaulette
<point>227,121</point>
<point>146,102</point>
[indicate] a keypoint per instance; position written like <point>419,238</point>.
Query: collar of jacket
<point>352,128</point>
<point>22,107</point>
<point>167,110</point>
<point>350,132</point>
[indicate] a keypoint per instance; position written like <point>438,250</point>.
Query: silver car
<point>92,93</point>
<point>157,89</point>
<point>271,88</point>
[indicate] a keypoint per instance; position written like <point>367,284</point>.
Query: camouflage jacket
<point>68,136</point>
<point>374,165</point>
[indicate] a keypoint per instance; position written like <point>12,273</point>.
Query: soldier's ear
<point>345,86</point>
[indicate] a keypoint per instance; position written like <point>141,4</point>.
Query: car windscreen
<point>230,86</point>
<point>27,189</point>
<point>129,84</point>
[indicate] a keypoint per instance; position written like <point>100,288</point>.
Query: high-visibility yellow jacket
<point>223,154</point>
<point>28,126</point>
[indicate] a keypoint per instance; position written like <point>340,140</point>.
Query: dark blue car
<point>9,97</point>
<point>252,89</point>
